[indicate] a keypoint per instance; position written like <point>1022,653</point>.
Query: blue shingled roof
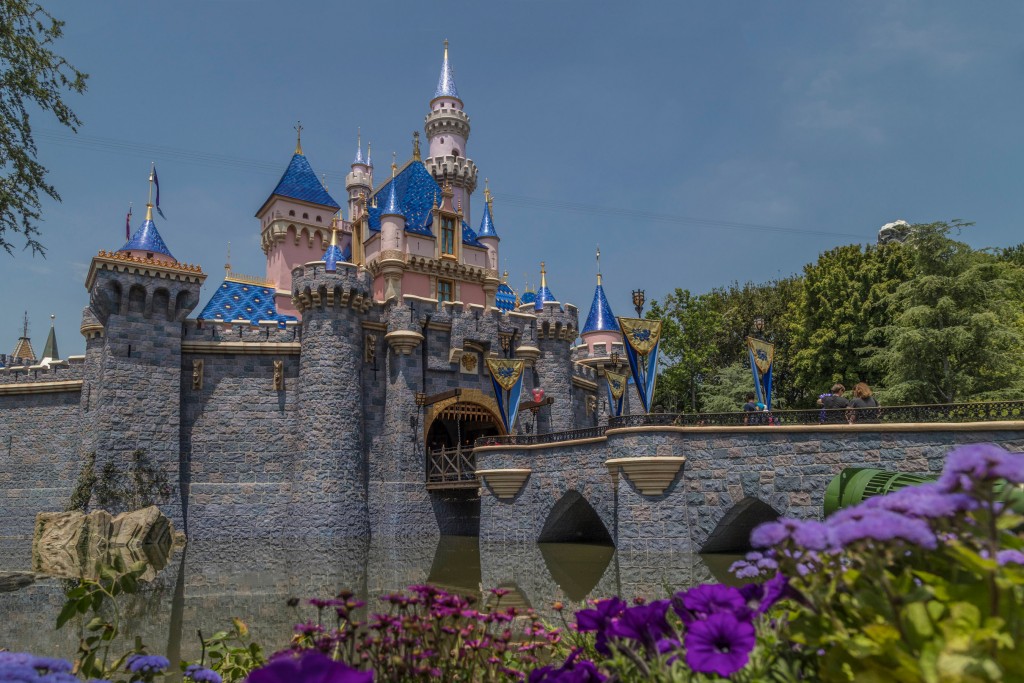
<point>300,182</point>
<point>446,81</point>
<point>415,190</point>
<point>235,300</point>
<point>527,298</point>
<point>600,318</point>
<point>331,258</point>
<point>544,295</point>
<point>487,224</point>
<point>146,238</point>
<point>505,299</point>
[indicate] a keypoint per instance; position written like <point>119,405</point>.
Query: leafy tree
<point>957,332</point>
<point>32,76</point>
<point>843,303</point>
<point>727,391</point>
<point>689,325</point>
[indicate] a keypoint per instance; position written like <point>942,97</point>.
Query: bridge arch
<point>732,533</point>
<point>573,519</point>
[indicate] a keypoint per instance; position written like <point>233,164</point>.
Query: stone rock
<point>69,544</point>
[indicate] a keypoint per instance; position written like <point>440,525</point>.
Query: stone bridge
<point>654,487</point>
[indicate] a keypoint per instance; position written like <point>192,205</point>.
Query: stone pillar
<point>329,494</point>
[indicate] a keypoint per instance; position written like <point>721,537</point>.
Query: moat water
<point>201,587</point>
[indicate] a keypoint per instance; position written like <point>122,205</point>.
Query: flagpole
<point>149,202</point>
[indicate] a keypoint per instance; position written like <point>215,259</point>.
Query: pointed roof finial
<point>298,137</point>
<point>359,146</point>
<point>323,180</point>
<point>50,349</point>
<point>392,207</point>
<point>52,318</point>
<point>543,276</point>
<point>416,145</point>
<point>24,327</point>
<point>149,202</point>
<point>446,83</point>
<point>227,262</point>
<point>504,277</point>
<point>369,159</point>
<point>394,165</point>
<point>487,190</point>
<point>599,264</point>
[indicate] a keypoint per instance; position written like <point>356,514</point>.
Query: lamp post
<point>759,326</point>
<point>638,302</point>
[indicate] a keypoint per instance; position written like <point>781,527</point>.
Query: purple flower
<point>720,644</point>
<point>711,598</point>
<point>805,533</point>
<point>201,674</point>
<point>645,624</point>
<point>598,619</point>
<point>52,664</point>
<point>768,535</point>
<point>927,501</point>
<point>572,671</point>
<point>879,525</point>
<point>147,663</point>
<point>1010,557</point>
<point>980,462</point>
<point>309,667</point>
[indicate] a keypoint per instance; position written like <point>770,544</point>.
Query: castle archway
<point>732,533</point>
<point>574,520</point>
<point>462,423</point>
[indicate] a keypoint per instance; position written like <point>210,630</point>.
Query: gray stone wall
<point>39,457</point>
<point>785,470</point>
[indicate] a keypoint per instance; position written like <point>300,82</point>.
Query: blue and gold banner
<point>642,338</point>
<point>617,384</point>
<point>762,358</point>
<point>507,378</point>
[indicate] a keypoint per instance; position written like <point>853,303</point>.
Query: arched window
<point>306,216</point>
<point>318,219</point>
<point>292,212</point>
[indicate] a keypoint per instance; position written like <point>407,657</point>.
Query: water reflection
<point>207,583</point>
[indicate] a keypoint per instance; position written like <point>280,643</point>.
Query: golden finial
<point>543,276</point>
<point>487,191</point>
<point>298,137</point>
<point>334,232</point>
<point>394,164</point>
<point>435,200</point>
<point>504,277</point>
<point>446,49</point>
<point>227,262</point>
<point>149,202</point>
<point>416,145</point>
<point>599,265</point>
<point>369,159</point>
<point>460,205</point>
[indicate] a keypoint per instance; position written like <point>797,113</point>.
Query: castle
<point>323,398</point>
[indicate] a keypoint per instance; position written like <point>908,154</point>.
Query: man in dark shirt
<point>834,401</point>
<point>750,406</point>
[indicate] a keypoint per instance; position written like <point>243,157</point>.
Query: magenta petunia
<point>720,644</point>
<point>710,598</point>
<point>598,619</point>
<point>309,667</point>
<point>645,624</point>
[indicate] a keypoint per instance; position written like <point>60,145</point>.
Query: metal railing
<point>532,439</point>
<point>993,411</point>
<point>452,467</point>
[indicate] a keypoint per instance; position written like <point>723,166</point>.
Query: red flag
<point>128,224</point>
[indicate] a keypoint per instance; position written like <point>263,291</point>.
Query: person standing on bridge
<point>863,401</point>
<point>833,401</point>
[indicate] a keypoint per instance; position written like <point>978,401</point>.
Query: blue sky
<point>697,143</point>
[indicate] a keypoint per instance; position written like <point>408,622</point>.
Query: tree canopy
<point>32,77</point>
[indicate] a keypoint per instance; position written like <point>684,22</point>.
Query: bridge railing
<point>451,466</point>
<point>992,411</point>
<point>533,439</point>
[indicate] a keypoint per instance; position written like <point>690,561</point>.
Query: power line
<point>210,160</point>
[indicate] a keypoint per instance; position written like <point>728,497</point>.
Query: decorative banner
<point>642,338</point>
<point>507,378</point>
<point>616,390</point>
<point>762,357</point>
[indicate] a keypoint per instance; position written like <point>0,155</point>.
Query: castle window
<point>318,219</point>
<point>305,215</point>
<point>447,236</point>
<point>445,290</point>
<point>455,153</point>
<point>292,212</point>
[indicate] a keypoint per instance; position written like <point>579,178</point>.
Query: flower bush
<point>924,584</point>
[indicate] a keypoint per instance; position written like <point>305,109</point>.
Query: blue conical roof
<point>300,182</point>
<point>359,152</point>
<point>391,206</point>
<point>544,296</point>
<point>600,318</point>
<point>446,82</point>
<point>331,258</point>
<point>487,224</point>
<point>146,238</point>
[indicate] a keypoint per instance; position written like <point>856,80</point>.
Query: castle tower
<point>333,306</point>
<point>488,237</point>
<point>359,181</point>
<point>447,129</point>
<point>601,331</point>
<point>23,351</point>
<point>50,352</point>
<point>557,327</point>
<point>139,297</point>
<point>392,243</point>
<point>294,224</point>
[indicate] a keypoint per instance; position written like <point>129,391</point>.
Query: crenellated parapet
<point>458,170</point>
<point>315,288</point>
<point>558,322</point>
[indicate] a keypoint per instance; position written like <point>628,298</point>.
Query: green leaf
<point>69,610</point>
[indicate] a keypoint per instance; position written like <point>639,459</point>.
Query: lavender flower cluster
<point>22,667</point>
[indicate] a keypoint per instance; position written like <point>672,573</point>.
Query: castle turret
<point>333,306</point>
<point>139,296</point>
<point>447,129</point>
<point>50,352</point>
<point>294,223</point>
<point>392,242</point>
<point>557,327</point>
<point>601,331</point>
<point>488,237</point>
<point>359,182</point>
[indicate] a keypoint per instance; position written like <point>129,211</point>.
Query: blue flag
<point>156,182</point>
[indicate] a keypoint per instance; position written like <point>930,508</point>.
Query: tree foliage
<point>32,77</point>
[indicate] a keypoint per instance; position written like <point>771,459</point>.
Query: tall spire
<point>416,145</point>
<point>50,350</point>
<point>544,294</point>
<point>333,253</point>
<point>359,147</point>
<point>369,159</point>
<point>600,318</point>
<point>446,82</point>
<point>487,220</point>
<point>298,137</point>
<point>392,207</point>
<point>227,262</point>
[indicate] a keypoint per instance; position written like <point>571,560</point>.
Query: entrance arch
<point>574,520</point>
<point>732,533</point>
<point>469,415</point>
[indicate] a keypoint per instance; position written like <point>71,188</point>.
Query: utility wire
<point>210,160</point>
